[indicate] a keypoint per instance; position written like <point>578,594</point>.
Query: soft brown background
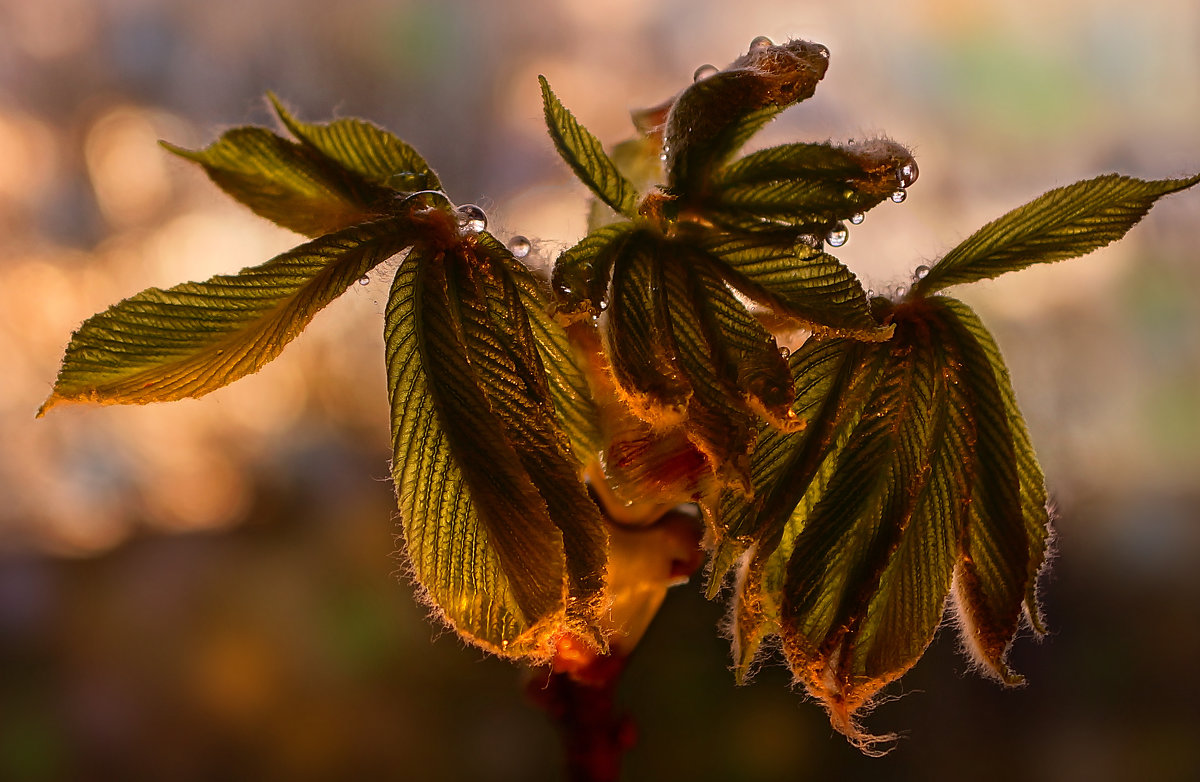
<point>204,590</point>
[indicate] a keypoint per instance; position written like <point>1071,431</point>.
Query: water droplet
<point>703,72</point>
<point>870,293</point>
<point>823,50</point>
<point>907,174</point>
<point>784,351</point>
<point>603,305</point>
<point>471,219</point>
<point>921,272</point>
<point>899,196</point>
<point>520,246</point>
<point>761,42</point>
<point>901,290</point>
<point>857,218</point>
<point>838,236</point>
<point>364,280</point>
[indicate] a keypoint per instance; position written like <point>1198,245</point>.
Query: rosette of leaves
<point>915,480</point>
<point>490,415</point>
<point>684,270</point>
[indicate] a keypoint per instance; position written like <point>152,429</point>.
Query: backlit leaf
<point>498,527</point>
<point>1064,223</point>
<point>161,345</point>
<point>713,118</point>
<point>584,153</point>
<point>290,184</point>
<point>365,150</point>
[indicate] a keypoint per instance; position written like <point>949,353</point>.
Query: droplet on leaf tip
<point>838,236</point>
<point>857,218</point>
<point>760,42</point>
<point>907,174</point>
<point>471,219</point>
<point>519,246</point>
<point>703,72</point>
<point>921,272</point>
<point>899,196</point>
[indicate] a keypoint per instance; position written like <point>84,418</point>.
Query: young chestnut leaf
<point>1064,223</point>
<point>808,187</point>
<point>186,341</point>
<point>499,529</point>
<point>711,119</point>
<point>584,153</point>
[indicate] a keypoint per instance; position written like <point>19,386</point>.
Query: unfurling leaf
<point>711,119</point>
<point>161,345</point>
<point>797,281</point>
<point>499,529</point>
<point>913,475</point>
<point>808,188</point>
<point>1064,223</point>
<point>584,153</point>
<point>365,150</point>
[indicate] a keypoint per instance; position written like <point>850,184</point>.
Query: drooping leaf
<point>808,187</point>
<point>713,118</point>
<point>867,580</point>
<point>365,150</point>
<point>290,184</point>
<point>499,529</point>
<point>581,274</point>
<point>584,153</point>
<point>161,345</point>
<point>1064,223</point>
<point>799,281</point>
<point>1008,526</point>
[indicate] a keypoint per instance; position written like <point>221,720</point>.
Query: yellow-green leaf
<point>1064,223</point>
<point>584,153</point>
<point>161,345</point>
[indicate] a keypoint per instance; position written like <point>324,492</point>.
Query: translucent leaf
<point>161,345</point>
<point>799,281</point>
<point>585,155</point>
<point>867,580</point>
<point>365,150</point>
<point>582,272</point>
<point>498,528</point>
<point>1064,223</point>
<point>1008,527</point>
<point>290,184</point>
<point>713,118</point>
<point>807,187</point>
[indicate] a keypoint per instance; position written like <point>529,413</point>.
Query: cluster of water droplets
<point>471,219</point>
<point>905,176</point>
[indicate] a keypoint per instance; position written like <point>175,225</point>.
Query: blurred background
<point>207,589</point>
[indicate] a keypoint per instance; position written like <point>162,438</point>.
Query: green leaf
<point>498,527</point>
<point>197,337</point>
<point>713,118</point>
<point>365,150</point>
<point>798,281</point>
<point>290,184</point>
<point>1064,223</point>
<point>581,273</point>
<point>584,153</point>
<point>867,580</point>
<point>1008,527</point>
<point>808,187</point>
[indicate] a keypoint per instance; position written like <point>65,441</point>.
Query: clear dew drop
<point>760,42</point>
<point>784,351</point>
<point>838,236</point>
<point>857,218</point>
<point>921,272</point>
<point>703,72</point>
<point>471,219</point>
<point>520,246</point>
<point>907,174</point>
<point>901,290</point>
<point>899,196</point>
<point>364,280</point>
